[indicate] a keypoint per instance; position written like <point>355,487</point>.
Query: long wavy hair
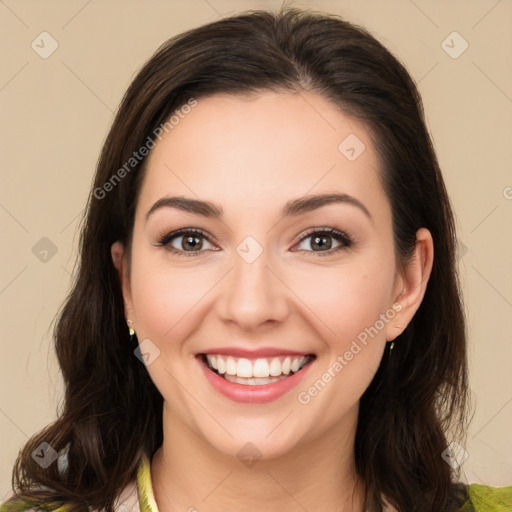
<point>418,399</point>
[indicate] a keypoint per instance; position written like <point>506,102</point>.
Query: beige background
<point>55,114</point>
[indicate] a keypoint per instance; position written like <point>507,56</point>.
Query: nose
<point>254,294</point>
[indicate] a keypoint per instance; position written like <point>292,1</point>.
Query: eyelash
<point>344,239</point>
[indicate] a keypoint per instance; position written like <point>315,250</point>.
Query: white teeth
<point>254,381</point>
<point>287,365</point>
<point>230,366</point>
<point>275,367</point>
<point>212,360</point>
<point>295,365</point>
<point>258,369</point>
<point>244,368</point>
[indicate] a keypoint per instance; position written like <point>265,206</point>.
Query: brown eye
<point>186,242</point>
<point>322,241</point>
<point>192,242</point>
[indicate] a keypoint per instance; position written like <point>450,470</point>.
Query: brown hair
<point>112,411</point>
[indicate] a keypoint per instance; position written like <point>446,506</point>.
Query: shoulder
<point>486,498</point>
<point>127,501</point>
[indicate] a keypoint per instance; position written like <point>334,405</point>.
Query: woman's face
<point>266,284</point>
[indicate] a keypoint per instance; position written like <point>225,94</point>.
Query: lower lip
<point>253,394</point>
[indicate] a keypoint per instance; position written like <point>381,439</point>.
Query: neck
<point>189,474</point>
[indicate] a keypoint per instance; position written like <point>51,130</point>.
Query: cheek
<point>339,301</point>
<point>351,305</point>
<point>169,296</point>
<point>163,297</point>
<point>348,299</point>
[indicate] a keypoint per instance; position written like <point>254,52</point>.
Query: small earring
<point>393,342</point>
<point>130,328</point>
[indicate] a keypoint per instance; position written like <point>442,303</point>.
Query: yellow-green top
<point>482,498</point>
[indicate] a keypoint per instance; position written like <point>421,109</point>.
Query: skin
<point>250,156</point>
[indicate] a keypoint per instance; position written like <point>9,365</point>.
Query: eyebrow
<point>291,208</point>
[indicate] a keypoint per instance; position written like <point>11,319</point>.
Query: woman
<point>218,350</point>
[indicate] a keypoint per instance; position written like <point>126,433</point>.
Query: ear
<point>121,264</point>
<point>413,283</point>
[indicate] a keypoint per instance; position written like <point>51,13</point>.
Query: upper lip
<point>254,353</point>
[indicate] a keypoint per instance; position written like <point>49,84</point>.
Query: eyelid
<point>344,239</point>
<point>327,230</point>
<point>165,240</point>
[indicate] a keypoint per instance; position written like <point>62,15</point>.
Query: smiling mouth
<point>255,372</point>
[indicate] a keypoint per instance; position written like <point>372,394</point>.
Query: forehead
<point>264,149</point>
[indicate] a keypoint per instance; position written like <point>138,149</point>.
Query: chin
<point>260,439</point>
